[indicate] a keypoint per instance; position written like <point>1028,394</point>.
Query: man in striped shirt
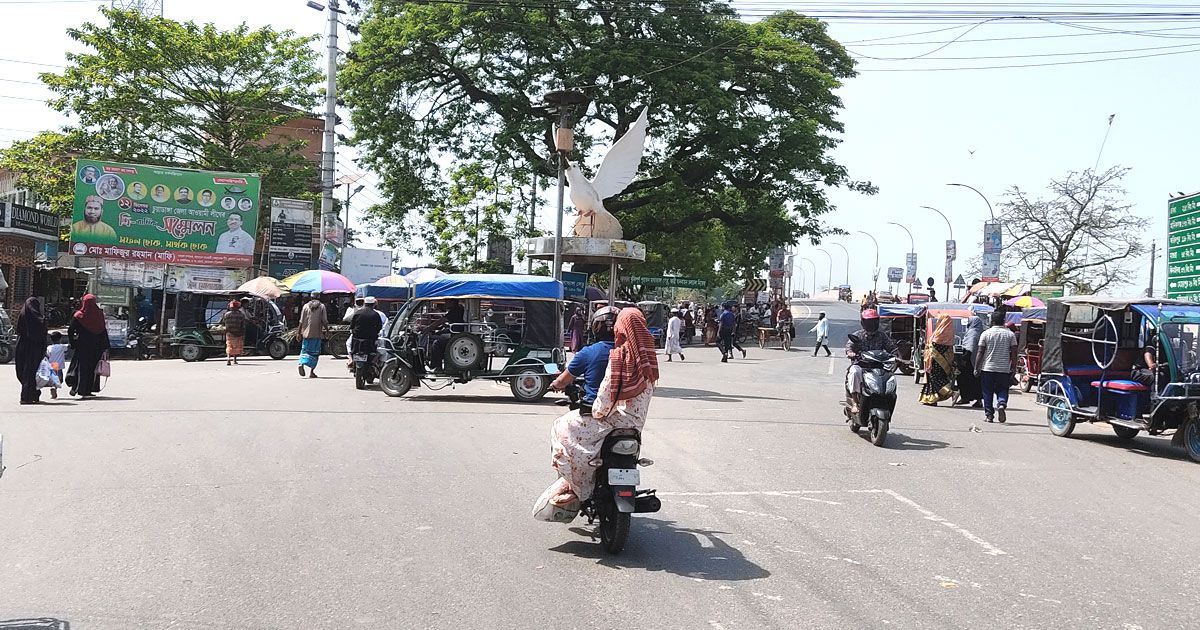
<point>995,363</point>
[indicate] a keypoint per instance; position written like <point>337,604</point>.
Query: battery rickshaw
<point>960,314</point>
<point>1096,363</point>
<point>656,320</point>
<point>1029,346</point>
<point>903,323</point>
<point>508,331</point>
<point>198,334</point>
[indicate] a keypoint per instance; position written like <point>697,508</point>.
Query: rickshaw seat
<point>1121,385</point>
<point>1083,370</point>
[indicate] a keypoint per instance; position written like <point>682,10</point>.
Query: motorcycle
<point>364,362</point>
<point>615,497</point>
<point>878,395</point>
<point>142,339</point>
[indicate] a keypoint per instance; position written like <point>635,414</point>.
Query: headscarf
<point>234,305</point>
<point>632,362</point>
<point>29,321</point>
<point>943,331</point>
<point>90,316</point>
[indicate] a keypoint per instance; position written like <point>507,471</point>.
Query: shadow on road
<point>40,623</point>
<point>900,442</point>
<point>660,545</point>
<point>706,395</point>
<point>1148,446</point>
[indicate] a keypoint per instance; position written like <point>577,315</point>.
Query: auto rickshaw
<point>508,333</point>
<point>961,313</point>
<point>1029,346</point>
<point>656,320</point>
<point>8,337</point>
<point>198,334</point>
<point>1094,370</point>
<point>902,322</point>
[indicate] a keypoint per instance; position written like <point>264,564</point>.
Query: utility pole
<point>532,217</point>
<point>328,156</point>
<point>1150,287</point>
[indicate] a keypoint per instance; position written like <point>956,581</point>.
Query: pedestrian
<point>739,319</point>
<point>674,328</point>
<point>313,319</point>
<point>234,320</point>
<point>56,356</point>
<point>939,363</point>
<point>969,392</point>
<point>822,330</point>
<point>995,363</point>
<point>88,337</point>
<point>31,348</point>
<point>576,326</point>
<point>726,328</point>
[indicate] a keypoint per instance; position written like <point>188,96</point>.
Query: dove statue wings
<point>618,169</point>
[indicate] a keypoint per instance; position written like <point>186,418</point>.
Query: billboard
<point>291,237</point>
<point>366,265</point>
<point>165,215</point>
<point>910,263</point>
<point>1183,248</point>
<point>574,284</point>
<point>992,248</point>
<point>895,274</point>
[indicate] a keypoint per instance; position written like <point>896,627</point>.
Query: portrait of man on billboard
<point>235,240</point>
<point>92,228</point>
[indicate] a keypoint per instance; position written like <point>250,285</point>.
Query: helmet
<point>870,320</point>
<point>606,314</point>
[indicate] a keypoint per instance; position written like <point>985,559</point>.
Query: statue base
<point>591,251</point>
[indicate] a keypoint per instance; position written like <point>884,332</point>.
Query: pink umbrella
<point>1025,301</point>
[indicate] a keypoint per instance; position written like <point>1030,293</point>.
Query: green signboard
<point>1046,291</point>
<point>1183,248</point>
<point>574,284</point>
<point>667,281</point>
<point>164,215</point>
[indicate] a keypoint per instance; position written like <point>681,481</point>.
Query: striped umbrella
<point>264,287</point>
<point>1025,301</point>
<point>318,281</point>
<point>425,274</point>
<point>390,281</point>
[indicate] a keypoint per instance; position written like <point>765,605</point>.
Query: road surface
<point>204,496</point>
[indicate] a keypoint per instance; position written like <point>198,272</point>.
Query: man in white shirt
<point>236,240</point>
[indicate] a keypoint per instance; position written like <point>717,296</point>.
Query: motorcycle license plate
<point>624,477</point>
<point>360,357</point>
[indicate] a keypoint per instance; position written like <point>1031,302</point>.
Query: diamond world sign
<point>1183,248</point>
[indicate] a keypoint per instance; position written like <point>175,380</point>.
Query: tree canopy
<point>742,116</point>
<point>1082,235</point>
<point>155,91</point>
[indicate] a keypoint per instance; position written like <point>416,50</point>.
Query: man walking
<point>995,363</point>
<point>726,327</point>
<point>313,319</point>
<point>822,330</point>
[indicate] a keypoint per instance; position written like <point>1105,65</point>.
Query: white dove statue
<point>617,170</point>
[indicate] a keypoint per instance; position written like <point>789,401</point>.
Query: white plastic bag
<point>46,376</point>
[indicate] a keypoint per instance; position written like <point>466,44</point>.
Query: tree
<point>156,91</point>
<point>1082,235</point>
<point>743,116</point>
<point>457,229</point>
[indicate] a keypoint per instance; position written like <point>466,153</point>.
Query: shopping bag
<point>103,367</point>
<point>45,376</point>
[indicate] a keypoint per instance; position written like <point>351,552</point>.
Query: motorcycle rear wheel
<point>396,379</point>
<point>614,529</point>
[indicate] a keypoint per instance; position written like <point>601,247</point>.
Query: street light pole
<point>330,140</point>
<point>875,272</point>
<point>912,249</point>
<point>814,276</point>
<point>951,228</point>
<point>563,103</point>
<point>847,252</point>
<point>981,196</point>
<point>830,257</point>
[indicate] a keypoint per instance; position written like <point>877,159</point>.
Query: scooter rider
<point>591,361</point>
<point>869,338</point>
<point>365,326</point>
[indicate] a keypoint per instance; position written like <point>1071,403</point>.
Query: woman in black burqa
<point>31,347</point>
<point>88,337</point>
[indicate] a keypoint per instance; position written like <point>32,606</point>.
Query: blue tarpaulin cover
<point>490,285</point>
<point>901,310</point>
<point>382,292</point>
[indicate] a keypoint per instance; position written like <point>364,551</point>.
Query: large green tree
<point>742,115</point>
<point>152,90</point>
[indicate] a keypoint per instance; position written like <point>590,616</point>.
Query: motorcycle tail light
<point>624,493</point>
<point>625,447</point>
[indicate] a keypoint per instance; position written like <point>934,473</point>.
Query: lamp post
<point>830,257</point>
<point>563,103</point>
<point>912,247</point>
<point>814,276</point>
<point>330,139</point>
<point>950,261</point>
<point>875,271</point>
<point>981,196</point>
<point>847,252</point>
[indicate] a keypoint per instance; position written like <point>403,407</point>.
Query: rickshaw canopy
<point>1058,309</point>
<point>954,309</point>
<point>1034,314</point>
<point>487,285</point>
<point>900,310</point>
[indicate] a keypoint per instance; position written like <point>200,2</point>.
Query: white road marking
<point>762,514</point>
<point>831,360</point>
<point>991,549</point>
<point>764,493</point>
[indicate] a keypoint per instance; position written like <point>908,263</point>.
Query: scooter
<point>364,362</point>
<point>878,395</point>
<point>615,497</point>
<point>142,339</point>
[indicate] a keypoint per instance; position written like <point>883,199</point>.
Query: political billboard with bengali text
<point>1183,248</point>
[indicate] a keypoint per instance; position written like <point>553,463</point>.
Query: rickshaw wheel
<point>1125,433</point>
<point>530,385</point>
<point>191,353</point>
<point>1191,440</point>
<point>277,349</point>
<point>1060,419</point>
<point>396,379</point>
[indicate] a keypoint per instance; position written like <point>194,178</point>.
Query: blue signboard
<point>574,284</point>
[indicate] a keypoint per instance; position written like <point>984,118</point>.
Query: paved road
<point>201,496</point>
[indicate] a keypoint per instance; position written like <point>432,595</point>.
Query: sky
<point>908,129</point>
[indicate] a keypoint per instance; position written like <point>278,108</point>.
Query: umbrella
<point>264,287</point>
<point>386,288</point>
<point>390,281</point>
<point>425,274</point>
<point>1025,301</point>
<point>318,281</point>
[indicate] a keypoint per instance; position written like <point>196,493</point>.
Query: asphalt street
<point>204,496</point>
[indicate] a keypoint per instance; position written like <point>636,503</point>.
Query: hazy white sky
<point>910,132</point>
